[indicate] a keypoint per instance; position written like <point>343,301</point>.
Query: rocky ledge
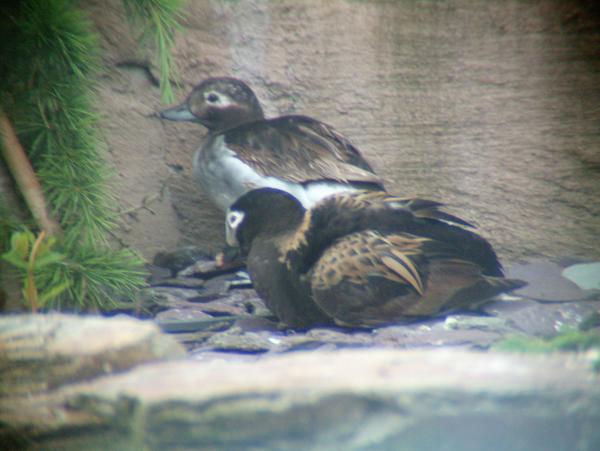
<point>214,310</point>
<point>221,374</point>
<point>346,399</point>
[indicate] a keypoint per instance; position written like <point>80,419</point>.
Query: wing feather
<point>299,149</point>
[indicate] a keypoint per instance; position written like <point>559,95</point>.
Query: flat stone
<point>542,319</point>
<point>181,258</point>
<point>496,319</point>
<point>545,282</point>
<point>458,330</point>
<point>455,331</point>
<point>476,322</point>
<point>350,399</point>
<point>585,275</point>
<point>157,299</point>
<point>180,314</point>
<point>234,340</point>
<point>181,282</point>
<point>43,351</point>
<point>235,302</point>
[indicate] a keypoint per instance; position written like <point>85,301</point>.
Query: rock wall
<point>491,107</point>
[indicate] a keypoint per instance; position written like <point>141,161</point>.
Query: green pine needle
<point>49,58</point>
<point>159,19</point>
<point>97,279</point>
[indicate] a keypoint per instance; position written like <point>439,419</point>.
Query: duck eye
<point>212,98</point>
<point>234,219</point>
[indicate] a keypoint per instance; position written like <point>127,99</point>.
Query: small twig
<point>21,170</point>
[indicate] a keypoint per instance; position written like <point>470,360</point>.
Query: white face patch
<point>218,99</point>
<point>234,218</point>
<point>232,222</point>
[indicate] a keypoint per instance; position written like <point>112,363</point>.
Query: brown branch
<point>21,170</point>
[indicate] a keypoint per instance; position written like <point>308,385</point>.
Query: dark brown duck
<point>361,259</point>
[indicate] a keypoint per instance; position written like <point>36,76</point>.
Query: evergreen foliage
<point>49,60</point>
<point>160,19</point>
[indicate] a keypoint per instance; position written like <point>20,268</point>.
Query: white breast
<point>225,178</point>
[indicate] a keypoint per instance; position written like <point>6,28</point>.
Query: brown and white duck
<point>245,151</point>
<point>361,259</point>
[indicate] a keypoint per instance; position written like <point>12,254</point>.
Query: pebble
<point>220,315</point>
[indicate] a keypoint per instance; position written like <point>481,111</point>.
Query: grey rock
<point>496,320</point>
<point>545,282</point>
<point>41,352</point>
<point>189,320</point>
<point>156,299</point>
<point>542,319</point>
<point>180,314</point>
<point>351,399</point>
<point>585,275</point>
<point>439,332</point>
<point>181,258</point>
<point>234,340</point>
<point>180,282</point>
<point>472,322</point>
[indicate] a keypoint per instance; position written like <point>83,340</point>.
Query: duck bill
<point>178,113</point>
<point>230,237</point>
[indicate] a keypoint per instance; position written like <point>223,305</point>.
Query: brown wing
<point>368,279</point>
<point>362,255</point>
<point>299,149</point>
<point>345,213</point>
<point>381,200</point>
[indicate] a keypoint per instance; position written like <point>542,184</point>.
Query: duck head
<point>217,103</point>
<point>264,212</point>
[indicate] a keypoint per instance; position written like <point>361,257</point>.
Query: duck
<point>243,150</point>
<point>361,259</point>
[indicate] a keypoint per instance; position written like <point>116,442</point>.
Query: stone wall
<point>491,107</point>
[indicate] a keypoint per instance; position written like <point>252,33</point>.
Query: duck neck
<point>271,220</point>
<point>234,117</point>
<point>320,228</point>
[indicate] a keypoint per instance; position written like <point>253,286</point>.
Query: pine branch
<point>49,57</point>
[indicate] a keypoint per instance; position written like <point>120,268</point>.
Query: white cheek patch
<point>232,222</point>
<point>234,219</point>
<point>221,99</point>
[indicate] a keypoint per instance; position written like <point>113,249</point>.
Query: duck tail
<point>504,285</point>
<point>473,296</point>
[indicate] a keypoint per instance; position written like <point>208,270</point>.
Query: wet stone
<point>222,316</point>
<point>585,275</point>
<point>235,340</point>
<point>208,268</point>
<point>545,282</point>
<point>179,314</point>
<point>471,339</point>
<point>181,258</point>
<point>180,282</point>
<point>155,300</point>
<point>542,319</point>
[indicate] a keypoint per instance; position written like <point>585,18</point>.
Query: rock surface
<point>92,383</point>
<point>43,352</point>
<point>218,317</point>
<point>352,399</point>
